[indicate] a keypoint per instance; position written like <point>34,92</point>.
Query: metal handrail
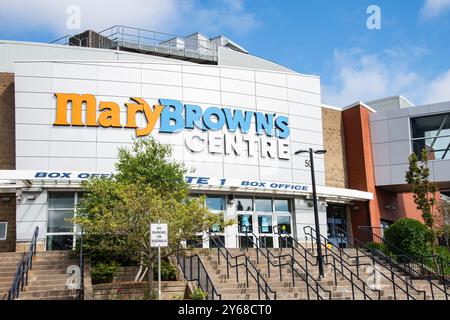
<point>192,276</point>
<point>292,263</point>
<point>342,264</point>
<point>266,255</point>
<point>390,279</point>
<point>146,40</point>
<point>404,255</point>
<point>25,265</point>
<point>410,265</point>
<point>221,249</point>
<point>353,277</point>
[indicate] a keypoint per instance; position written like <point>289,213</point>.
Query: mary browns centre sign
<point>271,131</point>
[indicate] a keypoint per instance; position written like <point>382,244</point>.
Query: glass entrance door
<point>337,222</point>
<point>260,216</point>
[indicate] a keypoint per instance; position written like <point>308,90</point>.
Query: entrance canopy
<point>29,179</point>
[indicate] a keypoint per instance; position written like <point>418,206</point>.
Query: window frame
<point>77,195</point>
<point>435,137</point>
<point>6,230</point>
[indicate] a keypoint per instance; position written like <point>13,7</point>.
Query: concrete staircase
<point>48,277</point>
<point>8,266</point>
<point>288,288</point>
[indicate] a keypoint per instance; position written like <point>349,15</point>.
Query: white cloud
<point>434,8</point>
<point>361,76</point>
<point>226,14</point>
<point>438,90</point>
<point>358,76</point>
<point>159,15</point>
<point>52,15</point>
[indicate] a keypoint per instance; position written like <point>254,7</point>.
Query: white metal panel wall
<point>40,145</point>
<point>31,212</point>
<point>391,144</point>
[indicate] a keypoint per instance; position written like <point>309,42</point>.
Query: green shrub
<point>168,271</point>
<point>103,272</point>
<point>107,251</point>
<point>410,236</point>
<point>198,294</point>
<point>444,253</point>
<point>377,246</point>
<point>374,246</point>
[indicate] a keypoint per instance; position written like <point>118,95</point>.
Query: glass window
<point>431,133</point>
<point>196,242</point>
<point>282,205</point>
<point>61,207</point>
<point>244,204</point>
<point>215,203</point>
<point>246,242</point>
<point>284,242</point>
<point>265,224</point>
<point>267,242</point>
<point>429,126</point>
<point>58,221</point>
<point>245,223</point>
<point>61,200</point>
<point>3,228</point>
<point>217,242</point>
<point>216,228</point>
<point>59,242</point>
<point>285,224</point>
<point>263,205</point>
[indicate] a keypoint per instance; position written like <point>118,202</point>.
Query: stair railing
<point>306,277</point>
<point>338,267</point>
<point>25,265</point>
<point>194,270</point>
<point>265,253</point>
<point>414,267</point>
<point>250,268</point>
<point>393,279</point>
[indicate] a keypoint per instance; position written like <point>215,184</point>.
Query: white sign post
<point>159,237</point>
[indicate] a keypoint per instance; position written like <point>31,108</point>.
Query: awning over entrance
<point>20,179</point>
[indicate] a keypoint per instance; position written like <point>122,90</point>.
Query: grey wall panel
<point>392,128</point>
<point>84,148</point>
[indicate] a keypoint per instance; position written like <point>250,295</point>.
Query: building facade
<point>235,119</point>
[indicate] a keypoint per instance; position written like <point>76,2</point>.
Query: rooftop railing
<point>145,41</point>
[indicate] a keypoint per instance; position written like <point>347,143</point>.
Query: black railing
<point>250,268</point>
<point>292,263</point>
<point>362,252</point>
<point>21,276</point>
<point>340,266</point>
<point>194,270</point>
<point>415,267</point>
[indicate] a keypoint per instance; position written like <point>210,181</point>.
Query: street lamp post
<point>316,210</point>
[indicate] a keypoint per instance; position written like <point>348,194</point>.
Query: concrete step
<point>47,294</point>
<point>48,276</point>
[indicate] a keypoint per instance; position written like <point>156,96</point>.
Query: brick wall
<point>8,214</point>
<point>361,175</point>
<point>333,140</point>
<point>7,122</point>
<point>7,157</point>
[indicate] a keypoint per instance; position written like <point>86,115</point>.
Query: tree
<point>443,221</point>
<point>424,190</point>
<point>147,188</point>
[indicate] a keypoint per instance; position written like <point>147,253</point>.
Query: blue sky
<point>409,55</point>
